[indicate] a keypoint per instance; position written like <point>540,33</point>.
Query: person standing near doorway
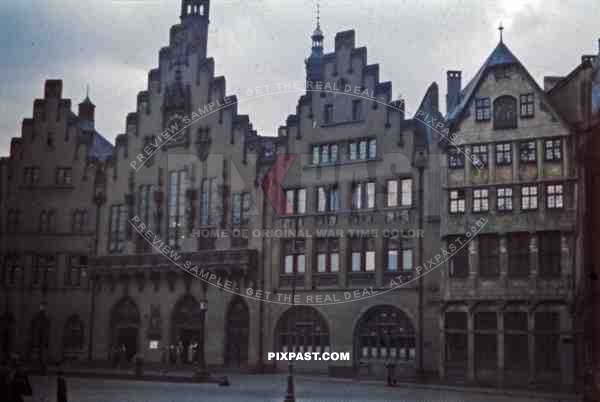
<point>61,387</point>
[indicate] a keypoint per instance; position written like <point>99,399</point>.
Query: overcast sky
<point>111,45</point>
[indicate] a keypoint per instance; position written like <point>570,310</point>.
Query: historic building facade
<point>49,230</point>
<point>510,177</point>
<point>339,213</point>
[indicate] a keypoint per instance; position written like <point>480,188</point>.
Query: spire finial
<point>87,91</point>
<point>500,28</point>
<point>318,15</point>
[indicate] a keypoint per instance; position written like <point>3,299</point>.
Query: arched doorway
<point>187,324</point>
<point>125,324</point>
<point>302,329</point>
<point>385,333</point>
<point>236,333</point>
<point>7,330</point>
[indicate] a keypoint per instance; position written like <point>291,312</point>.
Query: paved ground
<point>247,388</point>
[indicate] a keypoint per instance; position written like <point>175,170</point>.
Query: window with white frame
<point>294,260</point>
<point>457,201</point>
<point>528,152</point>
<point>328,257</point>
<point>325,153</point>
<point>480,200</point>
<point>296,201</point>
<point>456,158</point>
<point>363,195</point>
<point>362,150</point>
<point>527,105</point>
<point>480,155</point>
<point>403,197</point>
<point>503,153</point>
<point>529,197</point>
<point>363,254</point>
<point>397,257</point>
<point>553,150</point>
<point>482,109</point>
<point>504,199</point>
<point>554,196</point>
<point>328,199</point>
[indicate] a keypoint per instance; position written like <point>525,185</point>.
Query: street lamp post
<point>290,395</point>
<point>201,371</point>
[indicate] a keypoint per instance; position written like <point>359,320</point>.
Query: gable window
<point>505,112</point>
<point>63,176</point>
<point>210,202</point>
<point>356,110</point>
<point>328,199</point>
<point>457,201</point>
<point>363,195</point>
<point>328,114</point>
<point>456,158</point>
<point>529,197</point>
<point>363,254</point>
<point>325,153</point>
<point>504,153</point>
<point>31,175</point>
<point>552,150</point>
<point>489,261</point>
<point>118,227</point>
<point>294,260</point>
<point>549,254</point>
<point>240,207</point>
<point>554,196</point>
<point>526,102</point>
<point>482,109</point>
<point>528,152</point>
<point>480,155</point>
<point>178,185</point>
<point>504,199</point>
<point>297,201</point>
<point>328,257</point>
<point>395,198</point>
<point>480,200</point>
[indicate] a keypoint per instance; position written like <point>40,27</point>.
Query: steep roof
<point>501,55</point>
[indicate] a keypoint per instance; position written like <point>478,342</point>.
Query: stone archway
<point>302,329</point>
<point>125,326</point>
<point>187,325</point>
<point>385,333</point>
<point>237,329</point>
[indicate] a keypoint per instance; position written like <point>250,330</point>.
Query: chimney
<point>453,87</point>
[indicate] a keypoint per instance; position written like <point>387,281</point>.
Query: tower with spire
<point>314,61</point>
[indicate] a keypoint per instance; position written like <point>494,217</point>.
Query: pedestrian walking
<point>61,387</point>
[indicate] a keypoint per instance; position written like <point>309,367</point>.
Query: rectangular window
<point>316,154</point>
<point>482,109</point>
<point>549,254</point>
<point>353,151</point>
<point>63,176</point>
<point>553,150</point>
<point>356,110</point>
<point>480,200</point>
<point>394,198</point>
<point>489,261</point>
<point>79,221</point>
<point>31,175</point>
<point>13,221</point>
<point>504,199</point>
<point>518,255</point>
<point>456,158</point>
<point>327,255</point>
<point>480,155</point>
<point>554,196</point>
<point>526,102</point>
<point>398,258</point>
<point>145,211</point>
<point>176,206</point>
<point>363,195</point>
<point>240,205</point>
<point>459,260</point>
<point>504,153</point>
<point>210,202</point>
<point>406,200</point>
<point>372,153</point>
<point>328,199</point>
<point>457,201</point>
<point>118,228</point>
<point>297,201</point>
<point>528,152</point>
<point>328,114</point>
<point>293,257</point>
<point>362,254</point>
<point>529,198</point>
<point>325,153</point>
